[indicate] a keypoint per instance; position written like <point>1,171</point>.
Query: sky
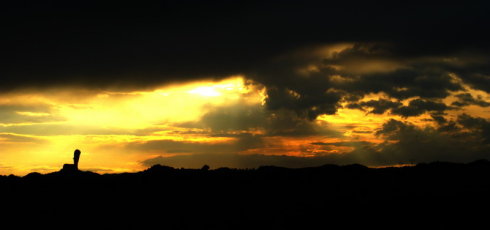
<point>242,84</point>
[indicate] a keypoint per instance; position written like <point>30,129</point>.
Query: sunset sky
<point>242,84</point>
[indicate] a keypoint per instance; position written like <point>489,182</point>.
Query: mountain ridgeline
<point>435,195</point>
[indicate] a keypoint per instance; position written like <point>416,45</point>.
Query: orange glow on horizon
<point>117,131</point>
<point>91,120</point>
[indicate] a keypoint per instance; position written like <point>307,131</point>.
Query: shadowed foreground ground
<point>436,195</point>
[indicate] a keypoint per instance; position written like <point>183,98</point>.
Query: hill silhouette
<point>433,195</point>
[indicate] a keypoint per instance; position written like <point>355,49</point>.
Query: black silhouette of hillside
<point>435,195</point>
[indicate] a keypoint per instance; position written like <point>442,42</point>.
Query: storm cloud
<point>138,45</point>
<point>345,82</point>
<point>222,120</point>
<point>466,99</point>
<point>277,45</point>
<point>405,143</point>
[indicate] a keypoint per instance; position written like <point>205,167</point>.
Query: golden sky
<point>40,129</point>
<point>238,121</point>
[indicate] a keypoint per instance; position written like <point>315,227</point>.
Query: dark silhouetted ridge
<point>431,195</point>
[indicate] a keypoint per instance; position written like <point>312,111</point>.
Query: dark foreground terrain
<point>435,196</point>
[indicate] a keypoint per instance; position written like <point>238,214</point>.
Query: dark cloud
<point>221,120</point>
<point>479,127</point>
<point>343,143</point>
<point>234,117</point>
<point>419,106</point>
<point>465,99</point>
<point>405,51</point>
<point>378,106</point>
<point>306,100</point>
<point>286,123</point>
<point>415,107</point>
<point>439,119</point>
<point>424,144</point>
<point>479,80</point>
<point>241,142</point>
<point>474,70</point>
<point>406,83</point>
<point>377,67</point>
<point>145,45</point>
<point>100,44</point>
<point>316,80</point>
<point>405,143</point>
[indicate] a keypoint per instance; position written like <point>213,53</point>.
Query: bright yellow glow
<point>214,90</point>
<point>101,123</point>
<point>143,109</point>
<point>33,114</point>
<point>117,130</point>
<point>206,91</point>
